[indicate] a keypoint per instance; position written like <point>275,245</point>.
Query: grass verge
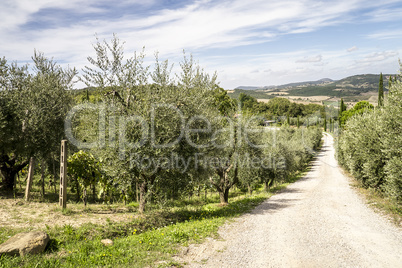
<point>147,241</point>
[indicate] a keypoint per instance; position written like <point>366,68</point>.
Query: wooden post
<point>63,173</point>
<point>30,178</point>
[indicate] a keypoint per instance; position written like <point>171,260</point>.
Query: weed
<point>67,211</point>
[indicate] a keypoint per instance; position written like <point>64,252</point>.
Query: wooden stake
<point>63,174</point>
<point>30,178</point>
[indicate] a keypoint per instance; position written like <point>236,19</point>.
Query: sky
<point>248,43</point>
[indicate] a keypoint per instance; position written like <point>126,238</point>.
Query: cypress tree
<point>325,124</point>
<point>87,95</point>
<point>389,84</point>
<point>342,107</point>
<point>381,92</point>
<point>298,121</point>
<point>288,119</point>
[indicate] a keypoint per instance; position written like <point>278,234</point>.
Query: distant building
<point>268,123</point>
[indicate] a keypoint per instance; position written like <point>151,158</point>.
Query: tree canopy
<point>369,147</point>
<point>358,109</point>
<point>34,104</point>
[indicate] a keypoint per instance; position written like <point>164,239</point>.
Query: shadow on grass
<point>159,218</point>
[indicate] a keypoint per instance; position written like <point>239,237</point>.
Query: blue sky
<point>253,42</point>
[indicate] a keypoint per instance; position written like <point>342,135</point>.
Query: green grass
<point>145,241</point>
<point>142,242</point>
<point>148,240</point>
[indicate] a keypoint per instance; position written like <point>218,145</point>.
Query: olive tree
<point>391,140</point>
<point>147,139</point>
<point>34,104</point>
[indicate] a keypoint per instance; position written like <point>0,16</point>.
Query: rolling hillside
<point>352,87</point>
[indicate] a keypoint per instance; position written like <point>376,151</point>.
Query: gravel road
<point>319,221</point>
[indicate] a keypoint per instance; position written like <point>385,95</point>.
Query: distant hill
<point>349,86</point>
<point>352,87</point>
<point>290,85</point>
<point>323,81</point>
<point>258,93</point>
<point>248,88</point>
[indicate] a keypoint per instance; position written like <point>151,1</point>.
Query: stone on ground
<point>25,243</point>
<point>107,242</point>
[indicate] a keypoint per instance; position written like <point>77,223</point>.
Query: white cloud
<point>203,24</point>
<point>383,35</point>
<point>17,12</point>
<point>281,68</point>
<point>354,48</point>
<point>378,56</point>
<point>386,13</point>
<point>317,58</point>
<point>196,27</point>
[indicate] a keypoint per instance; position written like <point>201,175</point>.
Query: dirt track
<point>318,221</point>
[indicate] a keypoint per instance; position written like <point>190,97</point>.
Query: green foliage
<point>279,106</point>
<point>223,102</point>
<point>83,167</point>
<point>369,147</point>
<point>141,242</point>
<point>34,105</point>
<point>283,107</point>
<point>312,108</point>
<point>257,94</point>
<point>361,149</point>
<point>132,121</point>
<point>381,91</point>
<point>247,102</point>
<point>151,116</point>
<point>392,141</point>
<point>342,107</point>
<point>286,152</point>
<point>359,108</point>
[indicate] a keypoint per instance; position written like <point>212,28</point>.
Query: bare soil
<point>20,214</point>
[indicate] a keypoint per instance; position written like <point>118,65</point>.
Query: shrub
<point>369,146</point>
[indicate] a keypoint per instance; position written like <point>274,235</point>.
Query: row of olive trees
<point>286,152</point>
<point>149,130</point>
<point>33,105</point>
<point>164,134</point>
<point>370,145</point>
